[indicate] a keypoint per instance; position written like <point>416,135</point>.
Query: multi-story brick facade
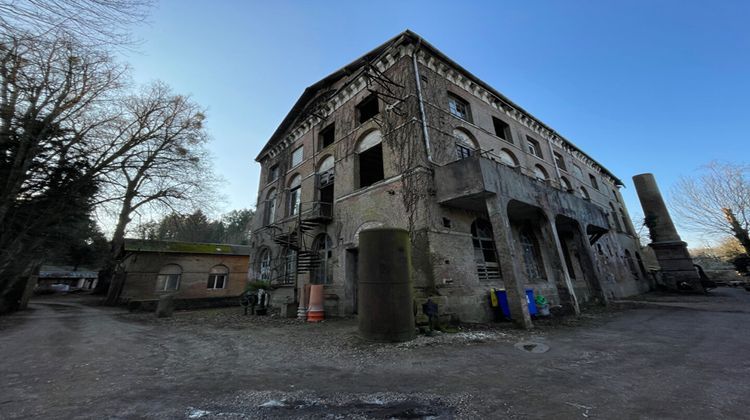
<point>405,137</point>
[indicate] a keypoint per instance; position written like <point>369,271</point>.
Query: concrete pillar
<point>573,299</point>
<point>509,262</point>
<point>595,275</point>
<point>671,252</point>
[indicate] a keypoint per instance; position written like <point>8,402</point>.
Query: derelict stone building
<point>493,198</point>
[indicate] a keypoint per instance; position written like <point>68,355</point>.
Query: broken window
<point>370,159</point>
<point>485,255</point>
<point>290,266</point>
<point>560,162</point>
<point>368,108</point>
<point>294,197</point>
<point>614,218</point>
<point>297,156</point>
<point>271,207</point>
<point>323,273</point>
<point>540,173</point>
<point>585,194</point>
<point>459,107</point>
<point>614,193</point>
<point>594,184</point>
<point>325,187</point>
<point>217,278</point>
<point>273,173</point>
<point>169,278</point>
<point>507,157</point>
<point>565,184</point>
<point>265,265</point>
<point>532,146</point>
<point>502,129</point>
<point>465,145</point>
<point>532,257</point>
<point>326,136</point>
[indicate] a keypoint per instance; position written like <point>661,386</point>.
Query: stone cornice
<point>343,95</point>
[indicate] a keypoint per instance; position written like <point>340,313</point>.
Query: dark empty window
<point>459,107</point>
<point>594,184</point>
<point>273,173</point>
<point>371,166</point>
<point>326,136</point>
<point>502,129</point>
<point>368,108</point>
<point>560,162</point>
<point>485,257</point>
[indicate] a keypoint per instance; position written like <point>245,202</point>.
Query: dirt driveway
<point>667,358</point>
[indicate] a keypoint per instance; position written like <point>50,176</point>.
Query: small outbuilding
<point>196,274</point>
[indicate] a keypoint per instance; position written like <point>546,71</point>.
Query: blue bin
<point>502,300</point>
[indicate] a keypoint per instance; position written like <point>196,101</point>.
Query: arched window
<point>540,173</point>
<point>323,273</point>
<point>169,278</point>
<point>507,157</point>
<point>485,255</point>
<point>465,145</point>
<point>264,265</point>
<point>631,264</point>
<point>532,257</point>
<point>326,164</point>
<point>585,194</point>
<point>271,204</point>
<point>565,184</point>
<point>370,159</point>
<point>217,277</point>
<point>294,196</point>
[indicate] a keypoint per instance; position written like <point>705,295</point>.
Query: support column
<point>506,252</point>
<point>596,281</point>
<point>676,264</point>
<point>573,299</point>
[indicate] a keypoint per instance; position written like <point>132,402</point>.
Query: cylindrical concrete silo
<point>385,287</point>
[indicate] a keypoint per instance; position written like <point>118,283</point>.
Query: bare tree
<point>716,202</point>
<point>94,22</point>
<point>52,94</point>
<point>168,167</point>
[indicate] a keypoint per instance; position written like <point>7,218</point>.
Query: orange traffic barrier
<point>315,310</point>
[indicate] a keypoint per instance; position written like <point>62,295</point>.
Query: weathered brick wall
<point>142,270</point>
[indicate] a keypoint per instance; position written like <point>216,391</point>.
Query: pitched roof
<point>141,245</point>
<point>405,37</point>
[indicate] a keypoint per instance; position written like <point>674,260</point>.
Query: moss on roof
<point>140,245</point>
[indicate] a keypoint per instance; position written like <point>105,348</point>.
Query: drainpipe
<point>422,113</point>
<point>554,161</point>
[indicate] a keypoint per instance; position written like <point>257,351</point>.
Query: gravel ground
<point>68,359</point>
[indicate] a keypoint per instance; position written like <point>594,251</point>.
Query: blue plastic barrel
<point>502,300</point>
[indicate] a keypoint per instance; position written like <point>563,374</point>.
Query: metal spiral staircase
<point>310,216</point>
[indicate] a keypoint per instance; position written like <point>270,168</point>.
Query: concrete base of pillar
<point>676,265</point>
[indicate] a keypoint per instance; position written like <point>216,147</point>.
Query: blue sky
<point>642,86</point>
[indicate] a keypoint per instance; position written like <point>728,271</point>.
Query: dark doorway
<point>352,277</point>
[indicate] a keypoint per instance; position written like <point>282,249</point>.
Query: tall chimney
<point>676,264</point>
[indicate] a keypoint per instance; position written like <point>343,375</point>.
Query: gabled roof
<point>141,245</point>
<point>405,37</point>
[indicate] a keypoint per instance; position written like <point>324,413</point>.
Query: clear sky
<point>641,86</point>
